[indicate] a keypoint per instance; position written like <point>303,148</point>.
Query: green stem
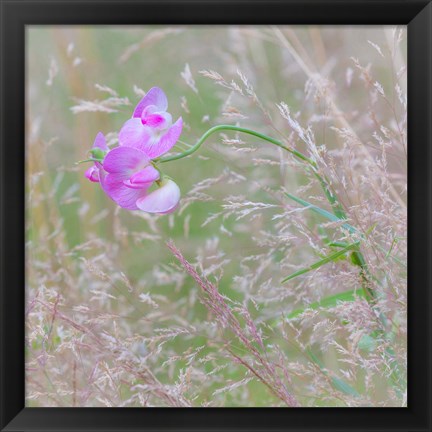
<point>337,208</point>
<point>88,160</point>
<point>218,128</point>
<point>331,198</point>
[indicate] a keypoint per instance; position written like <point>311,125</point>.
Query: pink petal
<point>156,147</point>
<point>160,120</point>
<point>142,179</point>
<point>124,160</point>
<point>163,200</point>
<point>150,109</point>
<point>125,197</point>
<point>92,174</point>
<point>134,134</point>
<point>100,142</point>
<point>155,96</point>
<point>100,167</point>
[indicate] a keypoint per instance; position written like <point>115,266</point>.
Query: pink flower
<point>127,172</point>
<point>126,176</point>
<point>99,146</point>
<point>151,129</point>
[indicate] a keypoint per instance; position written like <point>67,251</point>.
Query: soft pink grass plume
<point>259,365</point>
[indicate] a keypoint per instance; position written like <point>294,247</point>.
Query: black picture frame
<point>16,14</point>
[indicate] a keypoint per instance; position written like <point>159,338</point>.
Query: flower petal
<point>159,120</point>
<point>149,109</point>
<point>142,179</point>
<point>134,133</point>
<point>100,142</point>
<point>156,147</point>
<point>124,159</point>
<point>92,174</point>
<point>163,200</point>
<point>125,197</point>
<point>155,96</point>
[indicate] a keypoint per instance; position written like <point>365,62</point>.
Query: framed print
<point>215,215</point>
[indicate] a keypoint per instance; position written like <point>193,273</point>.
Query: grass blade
<point>322,212</point>
<point>337,383</point>
<point>320,263</point>
<point>331,301</point>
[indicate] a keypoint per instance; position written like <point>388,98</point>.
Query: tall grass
<point>266,287</point>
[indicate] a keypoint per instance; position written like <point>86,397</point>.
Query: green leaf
<point>322,212</point>
<point>337,208</point>
<point>344,387</point>
<point>338,244</point>
<point>331,301</point>
<point>337,383</point>
<point>350,228</point>
<point>370,229</point>
<point>322,262</point>
<point>357,259</point>
<point>367,343</point>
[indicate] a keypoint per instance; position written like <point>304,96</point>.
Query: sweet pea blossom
<point>151,129</point>
<point>127,172</point>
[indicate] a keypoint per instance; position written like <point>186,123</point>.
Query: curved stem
<point>218,128</point>
<point>88,160</point>
<point>337,208</point>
